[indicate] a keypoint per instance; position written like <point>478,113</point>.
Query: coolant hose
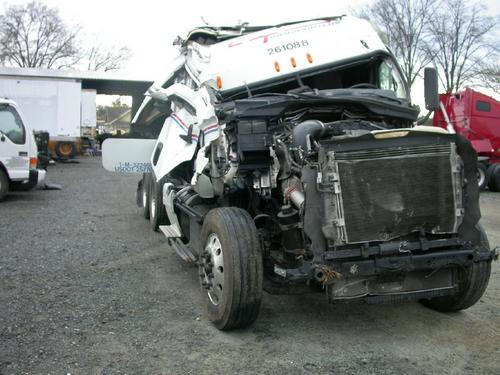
<point>314,128</point>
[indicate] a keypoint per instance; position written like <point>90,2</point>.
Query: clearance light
<point>33,162</point>
<point>276,66</point>
<point>309,58</point>
<point>390,134</point>
<point>219,82</point>
<point>294,63</point>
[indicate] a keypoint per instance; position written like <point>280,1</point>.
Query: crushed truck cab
<point>286,158</point>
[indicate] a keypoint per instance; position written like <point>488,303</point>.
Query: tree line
<point>33,35</point>
<point>459,37</point>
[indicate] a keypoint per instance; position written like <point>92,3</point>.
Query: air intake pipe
<point>313,128</point>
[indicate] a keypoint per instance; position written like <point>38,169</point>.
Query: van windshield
<point>11,125</point>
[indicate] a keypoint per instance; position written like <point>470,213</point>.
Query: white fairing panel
<point>127,155</point>
<point>172,149</point>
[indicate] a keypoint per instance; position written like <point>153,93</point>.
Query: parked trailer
<point>286,158</point>
<point>57,106</point>
<point>476,117</point>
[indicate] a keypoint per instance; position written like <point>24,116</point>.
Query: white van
<point>18,152</point>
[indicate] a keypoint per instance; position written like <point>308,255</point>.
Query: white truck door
<point>14,144</point>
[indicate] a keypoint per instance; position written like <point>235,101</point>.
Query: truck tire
<point>230,268</point>
<point>65,149</point>
<point>4,185</point>
<point>494,180</point>
<point>482,179</point>
<point>157,212</point>
<point>472,284</point>
<point>144,194</point>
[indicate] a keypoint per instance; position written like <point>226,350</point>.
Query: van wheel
<point>231,268</point>
<point>157,212</point>
<point>65,149</point>
<point>473,281</point>
<point>494,180</point>
<point>482,181</point>
<point>4,185</point>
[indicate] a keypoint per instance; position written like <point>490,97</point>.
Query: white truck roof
<point>7,101</point>
<point>278,51</point>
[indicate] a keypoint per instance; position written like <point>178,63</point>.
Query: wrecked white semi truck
<point>286,158</point>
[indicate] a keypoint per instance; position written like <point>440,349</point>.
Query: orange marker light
<point>294,63</point>
<point>33,162</point>
<point>309,58</point>
<point>219,82</point>
<point>276,66</point>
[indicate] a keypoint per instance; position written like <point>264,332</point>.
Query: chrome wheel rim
<point>212,269</point>
<point>152,207</point>
<point>481,176</point>
<point>144,197</point>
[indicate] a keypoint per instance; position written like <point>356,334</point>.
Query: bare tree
<point>488,75</point>
<point>103,58</point>
<point>403,23</point>
<point>458,40</point>
<point>33,35</point>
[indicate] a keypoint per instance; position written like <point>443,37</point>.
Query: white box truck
<point>58,106</point>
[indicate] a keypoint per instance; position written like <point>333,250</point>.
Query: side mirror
<point>431,89</point>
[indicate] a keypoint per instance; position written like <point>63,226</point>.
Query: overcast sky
<point>148,27</point>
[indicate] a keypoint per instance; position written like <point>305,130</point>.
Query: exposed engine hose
<point>313,128</point>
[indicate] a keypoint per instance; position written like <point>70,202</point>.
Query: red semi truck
<point>476,117</point>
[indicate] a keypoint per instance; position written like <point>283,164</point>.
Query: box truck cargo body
<point>57,106</point>
<point>49,105</point>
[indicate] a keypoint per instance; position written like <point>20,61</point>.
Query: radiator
<point>384,193</point>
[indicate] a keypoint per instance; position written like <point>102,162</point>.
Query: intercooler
<point>378,194</point>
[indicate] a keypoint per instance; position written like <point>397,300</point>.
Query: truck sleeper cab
<point>273,162</point>
<point>476,117</point>
<point>18,152</point>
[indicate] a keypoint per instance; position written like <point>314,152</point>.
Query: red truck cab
<point>476,117</point>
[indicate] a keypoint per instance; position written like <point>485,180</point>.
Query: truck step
<point>170,231</point>
<point>182,251</point>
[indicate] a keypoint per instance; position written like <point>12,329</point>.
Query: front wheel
<point>473,281</point>
<point>231,268</point>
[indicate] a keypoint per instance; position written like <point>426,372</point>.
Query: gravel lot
<point>87,288</point>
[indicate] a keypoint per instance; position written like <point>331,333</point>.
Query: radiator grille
<point>390,192</point>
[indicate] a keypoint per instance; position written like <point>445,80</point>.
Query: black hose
<point>313,128</point>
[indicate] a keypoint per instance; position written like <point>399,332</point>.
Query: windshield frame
<point>242,91</point>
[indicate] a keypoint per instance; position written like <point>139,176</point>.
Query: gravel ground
<point>87,288</point>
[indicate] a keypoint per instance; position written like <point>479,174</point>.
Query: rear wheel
<point>65,149</point>
<point>473,281</point>
<point>144,192</point>
<point>494,174</point>
<point>157,212</point>
<point>482,181</point>
<point>4,185</point>
<point>231,268</point>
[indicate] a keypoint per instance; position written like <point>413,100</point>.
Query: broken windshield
<point>374,72</point>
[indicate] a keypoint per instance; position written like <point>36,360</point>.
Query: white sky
<point>148,27</point>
